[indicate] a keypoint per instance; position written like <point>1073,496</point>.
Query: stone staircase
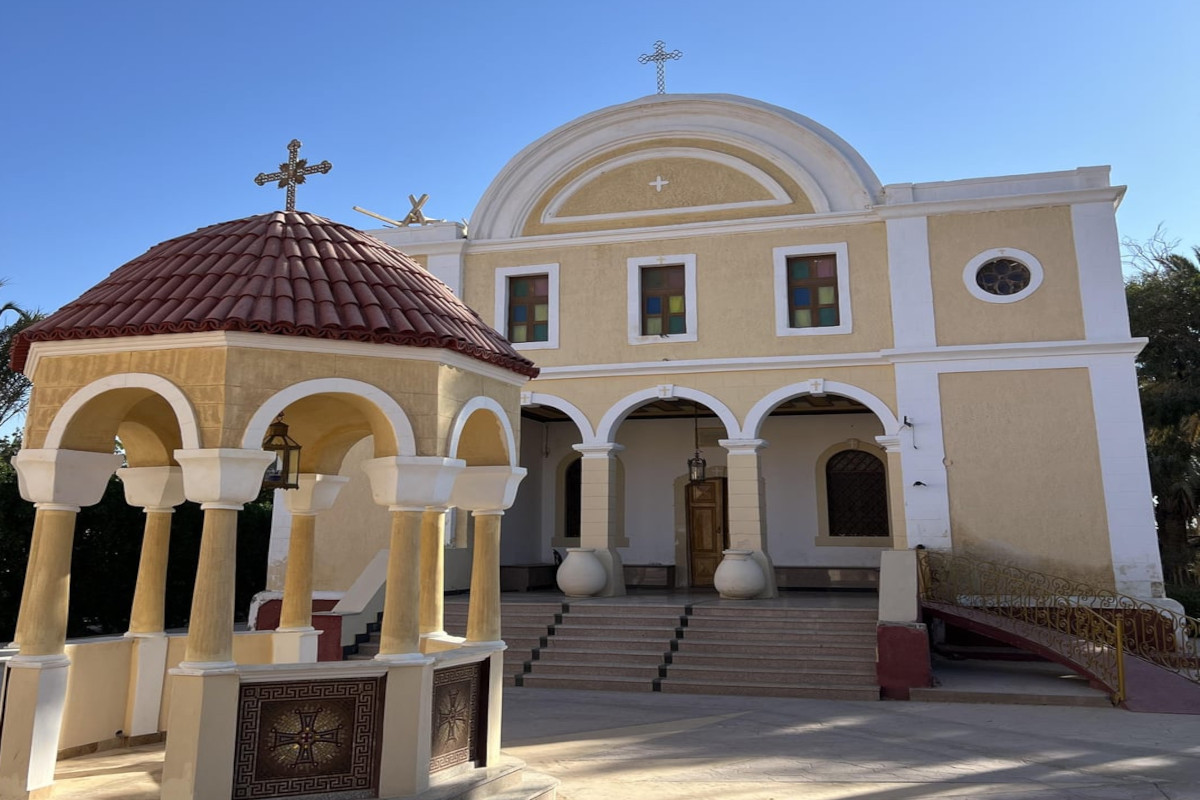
<point>702,648</point>
<point>824,653</point>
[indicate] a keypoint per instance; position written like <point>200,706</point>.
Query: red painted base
<point>329,645</point>
<point>903,659</point>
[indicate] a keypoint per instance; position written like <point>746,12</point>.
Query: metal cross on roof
<point>660,57</point>
<point>291,173</point>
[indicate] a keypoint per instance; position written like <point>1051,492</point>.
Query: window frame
<point>841,254</point>
<point>501,304</point>
<point>823,538</point>
<point>1028,260</point>
<point>634,298</point>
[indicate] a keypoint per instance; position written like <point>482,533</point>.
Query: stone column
<point>486,492</point>
<point>58,483</point>
<point>295,640</point>
<point>157,490</point>
<point>599,512</point>
<point>204,688</point>
<point>747,505</point>
<point>407,485</point>
<point>433,574</point>
<point>895,491</point>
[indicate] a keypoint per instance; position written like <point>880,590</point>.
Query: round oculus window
<point>1003,277</point>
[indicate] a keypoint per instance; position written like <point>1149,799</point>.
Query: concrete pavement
<point>615,746</point>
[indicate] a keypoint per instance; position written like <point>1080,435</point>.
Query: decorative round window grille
<point>1003,277</point>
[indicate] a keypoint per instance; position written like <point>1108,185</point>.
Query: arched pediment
<point>669,159</point>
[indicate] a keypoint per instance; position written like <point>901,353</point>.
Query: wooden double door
<point>707,526</point>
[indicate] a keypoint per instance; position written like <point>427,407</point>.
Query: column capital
<point>742,447</point>
<point>222,477</point>
<point>487,489</point>
<point>598,449</point>
<point>890,444</point>
<point>152,488</point>
<point>64,480</point>
<point>317,493</point>
<point>412,482</point>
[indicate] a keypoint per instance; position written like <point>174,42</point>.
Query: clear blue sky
<point>126,123</point>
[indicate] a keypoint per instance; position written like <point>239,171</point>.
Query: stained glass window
<point>529,308</point>
<point>812,291</point>
<point>856,494</point>
<point>1003,276</point>
<point>664,310</point>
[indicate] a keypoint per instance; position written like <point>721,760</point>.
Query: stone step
<point>864,664</point>
<point>812,691</point>
<point>586,631</point>
<point>640,620</point>
<point>614,668</point>
<point>615,645</point>
<point>593,681</point>
<point>724,626</point>
<point>735,637</point>
<point>775,650</point>
<point>751,674</point>
<point>741,614</point>
<point>570,654</point>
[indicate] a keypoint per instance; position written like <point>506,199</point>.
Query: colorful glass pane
<point>678,325</point>
<point>519,333</point>
<point>801,297</point>
<point>675,304</point>
<point>653,305</point>
<point>802,318</point>
<point>541,286</point>
<point>520,313</point>
<point>674,277</point>
<point>653,326</point>
<point>520,287</point>
<point>825,267</point>
<point>652,279</point>
<point>541,332</point>
<point>541,312</point>
<point>826,295</point>
<point>798,269</point>
<point>827,317</point>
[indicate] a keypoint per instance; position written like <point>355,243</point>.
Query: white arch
<point>613,418</point>
<point>586,433</point>
<point>256,428</point>
<point>185,415</point>
<point>765,406</point>
<point>829,171</point>
<point>464,413</point>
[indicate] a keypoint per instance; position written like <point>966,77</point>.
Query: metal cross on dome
<point>660,57</point>
<point>291,173</point>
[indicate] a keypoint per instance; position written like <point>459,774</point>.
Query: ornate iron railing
<point>1092,627</point>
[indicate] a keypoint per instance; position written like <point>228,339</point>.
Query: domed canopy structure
<point>287,272</point>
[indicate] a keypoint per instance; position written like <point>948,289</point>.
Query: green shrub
<point>1188,596</point>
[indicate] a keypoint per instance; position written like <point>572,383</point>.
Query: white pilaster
<point>1132,534</point>
<point>926,495</point>
<point>909,278</point>
<point>1101,282</point>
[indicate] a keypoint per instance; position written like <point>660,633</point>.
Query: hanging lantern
<point>284,471</point>
<point>696,463</point>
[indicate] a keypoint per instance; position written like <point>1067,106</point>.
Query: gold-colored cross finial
<point>291,173</point>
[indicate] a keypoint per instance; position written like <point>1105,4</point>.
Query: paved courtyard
<point>670,747</point>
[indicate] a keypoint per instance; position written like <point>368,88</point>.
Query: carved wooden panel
<point>459,715</point>
<point>309,738</point>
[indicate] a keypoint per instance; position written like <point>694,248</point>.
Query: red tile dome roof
<point>288,273</point>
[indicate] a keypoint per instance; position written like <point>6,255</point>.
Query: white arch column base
<point>36,693</point>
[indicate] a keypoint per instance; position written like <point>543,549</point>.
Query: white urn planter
<point>581,574</point>
<point>738,576</point>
